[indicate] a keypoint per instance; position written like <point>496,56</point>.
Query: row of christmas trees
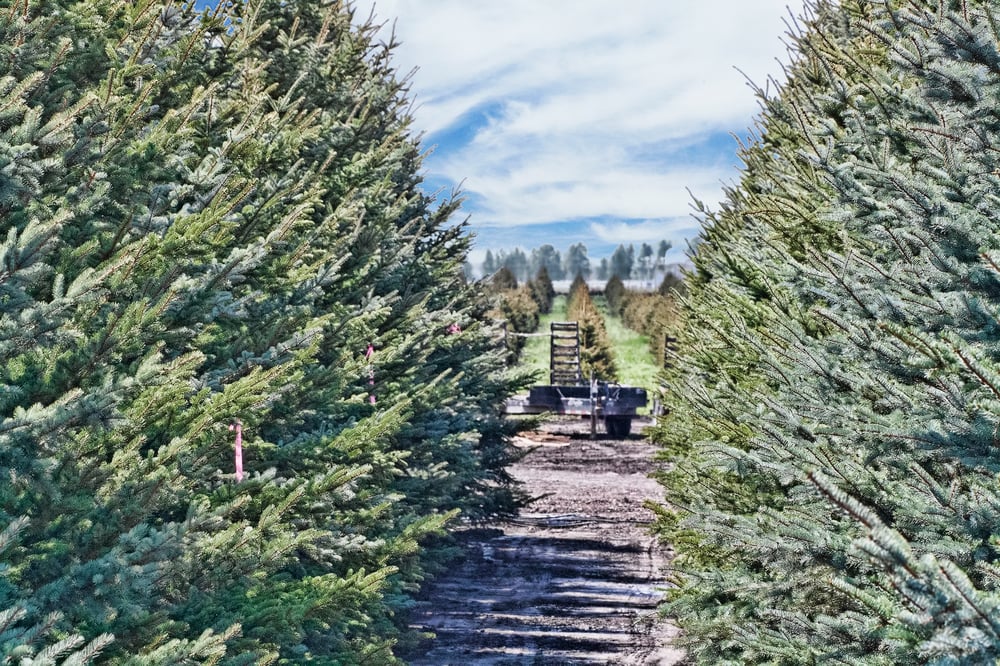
<point>835,403</point>
<point>212,226</point>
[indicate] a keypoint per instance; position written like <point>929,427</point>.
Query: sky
<point>567,121</point>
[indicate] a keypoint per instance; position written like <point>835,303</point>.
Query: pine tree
<point>654,316</point>
<point>645,261</point>
<point>603,271</point>
<point>621,263</point>
<point>577,263</point>
<point>503,280</point>
<point>661,252</point>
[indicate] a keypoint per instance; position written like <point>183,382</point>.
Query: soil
<point>575,578</point>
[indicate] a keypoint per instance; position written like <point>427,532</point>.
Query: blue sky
<point>586,121</point>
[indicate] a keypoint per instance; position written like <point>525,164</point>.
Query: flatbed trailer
<point>567,394</point>
<point>613,404</point>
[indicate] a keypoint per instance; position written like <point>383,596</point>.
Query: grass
<point>635,362</point>
<point>636,365</point>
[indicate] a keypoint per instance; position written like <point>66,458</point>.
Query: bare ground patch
<point>574,579</point>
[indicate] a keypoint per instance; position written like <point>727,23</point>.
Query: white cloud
<point>623,191</point>
<point>577,90</point>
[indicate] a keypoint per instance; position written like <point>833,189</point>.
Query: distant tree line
<point>654,315</point>
<point>626,262</point>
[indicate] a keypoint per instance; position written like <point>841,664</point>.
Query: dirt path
<point>573,580</point>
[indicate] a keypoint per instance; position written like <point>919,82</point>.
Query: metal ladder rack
<point>564,360</point>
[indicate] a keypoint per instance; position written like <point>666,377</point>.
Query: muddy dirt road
<point>574,579</point>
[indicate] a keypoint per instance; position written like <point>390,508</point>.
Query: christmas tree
<point>833,398</point>
<point>245,383</point>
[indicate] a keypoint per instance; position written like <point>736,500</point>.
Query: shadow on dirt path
<point>574,579</point>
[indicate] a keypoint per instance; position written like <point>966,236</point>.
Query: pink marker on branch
<point>237,425</point>
<point>371,373</point>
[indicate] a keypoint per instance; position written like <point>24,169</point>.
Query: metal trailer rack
<point>567,393</point>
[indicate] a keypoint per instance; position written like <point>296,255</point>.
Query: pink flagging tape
<point>371,373</point>
<point>238,427</point>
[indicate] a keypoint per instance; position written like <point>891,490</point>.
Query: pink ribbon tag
<point>371,372</point>
<point>238,427</point>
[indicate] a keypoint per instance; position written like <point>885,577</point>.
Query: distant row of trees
<point>652,314</point>
<point>626,262</point>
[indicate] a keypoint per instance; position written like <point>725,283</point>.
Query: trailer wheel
<point>618,427</point>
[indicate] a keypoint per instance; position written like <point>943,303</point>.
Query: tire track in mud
<point>574,579</point>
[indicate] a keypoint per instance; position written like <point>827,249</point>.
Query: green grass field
<point>636,365</point>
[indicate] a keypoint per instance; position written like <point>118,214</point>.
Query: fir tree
<point>548,258</point>
<point>621,262</point>
<point>603,270</point>
<point>821,444</point>
<point>503,280</point>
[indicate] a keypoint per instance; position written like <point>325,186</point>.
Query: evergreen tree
<point>672,284</point>
<point>503,280</point>
<point>654,316</point>
<point>548,258</point>
<point>603,272</point>
<point>517,263</point>
<point>614,293</point>
<point>577,263</point>
<point>621,263</point>
<point>834,402</point>
<point>518,310</point>
<point>216,217</point>
<point>645,261</point>
<point>542,291</point>
<point>596,356</point>
<point>661,252</point>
